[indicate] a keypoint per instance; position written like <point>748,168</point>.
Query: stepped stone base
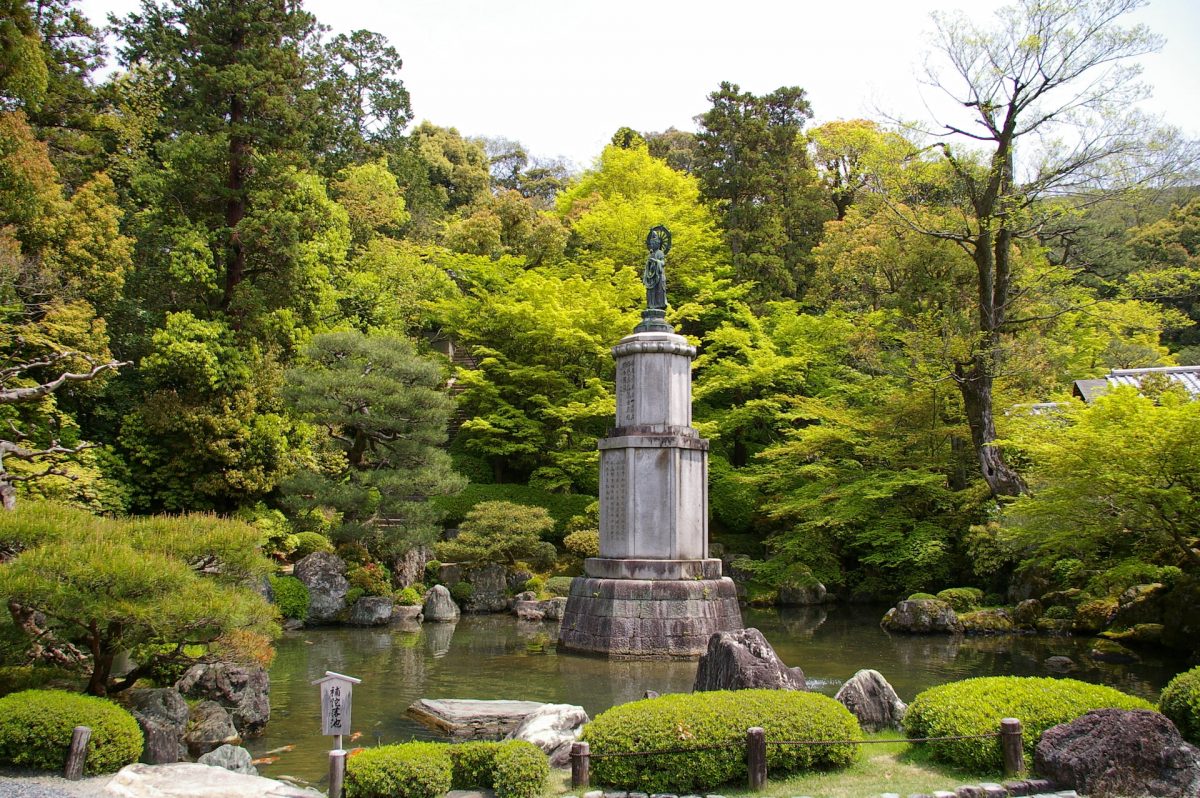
<point>651,619</point>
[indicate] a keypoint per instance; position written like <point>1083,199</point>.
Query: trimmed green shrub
<point>433,572</point>
<point>308,542</point>
<point>559,585</point>
<point>1058,613</point>
<point>535,584</point>
<point>561,506</point>
<point>697,720</point>
<point>514,768</point>
<point>291,596</point>
<point>353,595</point>
<point>921,597</point>
<point>962,599</point>
<point>583,543</point>
<point>408,770</point>
<point>1180,701</point>
<point>36,727</point>
<point>462,592</point>
<point>408,597</point>
<point>521,770</point>
<point>976,706</point>
<point>472,764</point>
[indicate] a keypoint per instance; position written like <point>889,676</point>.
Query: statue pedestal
<point>653,593</point>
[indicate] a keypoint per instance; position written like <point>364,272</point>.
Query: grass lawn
<point>883,767</point>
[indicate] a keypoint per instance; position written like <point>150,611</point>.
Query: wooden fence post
<point>337,772</point>
<point>756,757</point>
<point>581,764</point>
<point>1011,746</point>
<point>77,753</point>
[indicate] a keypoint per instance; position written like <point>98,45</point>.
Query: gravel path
<point>30,784</point>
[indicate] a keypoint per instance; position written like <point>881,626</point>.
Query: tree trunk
<point>975,385</point>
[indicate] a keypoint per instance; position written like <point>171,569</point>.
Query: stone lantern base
<point>651,619</point>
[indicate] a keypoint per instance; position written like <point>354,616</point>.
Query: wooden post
<point>756,757</point>
<point>1011,746</point>
<point>77,753</point>
<point>337,772</point>
<point>581,764</point>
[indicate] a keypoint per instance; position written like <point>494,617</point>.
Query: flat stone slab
<point>613,568</point>
<point>472,719</point>
<point>192,780</point>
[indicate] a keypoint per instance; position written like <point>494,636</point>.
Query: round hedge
<point>701,719</point>
<point>309,542</point>
<point>976,706</point>
<point>36,727</point>
<point>291,596</point>
<point>1180,701</point>
<point>409,770</point>
<point>962,599</point>
<point>521,770</point>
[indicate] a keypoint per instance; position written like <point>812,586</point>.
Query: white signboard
<point>336,691</point>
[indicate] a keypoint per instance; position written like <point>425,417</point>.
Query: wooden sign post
<point>336,692</point>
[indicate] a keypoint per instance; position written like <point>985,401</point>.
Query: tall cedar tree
<point>751,159</point>
<point>232,69</point>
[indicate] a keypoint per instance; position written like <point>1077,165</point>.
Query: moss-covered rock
<point>1026,613</point>
<point>987,622</point>
<point>1095,615</point>
<point>1111,651</point>
<point>1053,626</point>
<point>1067,598</point>
<point>922,617</point>
<point>1141,604</point>
<point>1142,634</point>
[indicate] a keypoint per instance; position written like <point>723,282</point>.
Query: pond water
<point>496,656</point>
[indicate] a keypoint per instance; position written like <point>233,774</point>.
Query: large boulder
<point>230,757</point>
<point>807,596</point>
<point>324,574</point>
<point>242,689</point>
<point>490,593</point>
<point>209,728</point>
<point>744,660</point>
<point>1027,613</point>
<point>409,568</point>
<point>191,779</point>
<point>162,715</point>
<point>993,621</point>
<point>922,617</point>
<point>1140,604</point>
<point>872,700</point>
<point>372,611</point>
<point>553,609</point>
<point>439,607</point>
<point>1120,752</point>
<point>552,728</point>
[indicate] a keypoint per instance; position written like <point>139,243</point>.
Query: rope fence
<point>755,746</point>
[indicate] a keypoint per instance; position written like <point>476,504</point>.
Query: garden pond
<point>494,657</point>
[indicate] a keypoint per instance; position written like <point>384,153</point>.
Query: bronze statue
<point>654,274</point>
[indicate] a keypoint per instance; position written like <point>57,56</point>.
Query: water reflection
<point>493,657</point>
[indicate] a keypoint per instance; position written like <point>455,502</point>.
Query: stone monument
<point>653,593</point>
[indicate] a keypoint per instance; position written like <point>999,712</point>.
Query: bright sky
<point>561,76</point>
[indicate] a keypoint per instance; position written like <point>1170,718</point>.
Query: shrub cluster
<point>1180,701</point>
<point>514,769</point>
<point>559,585</point>
<point>976,706</point>
<point>408,597</point>
<point>36,727</point>
<point>409,770</point>
<point>291,596</point>
<point>561,506</point>
<point>962,599</point>
<point>683,721</point>
<point>308,542</point>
